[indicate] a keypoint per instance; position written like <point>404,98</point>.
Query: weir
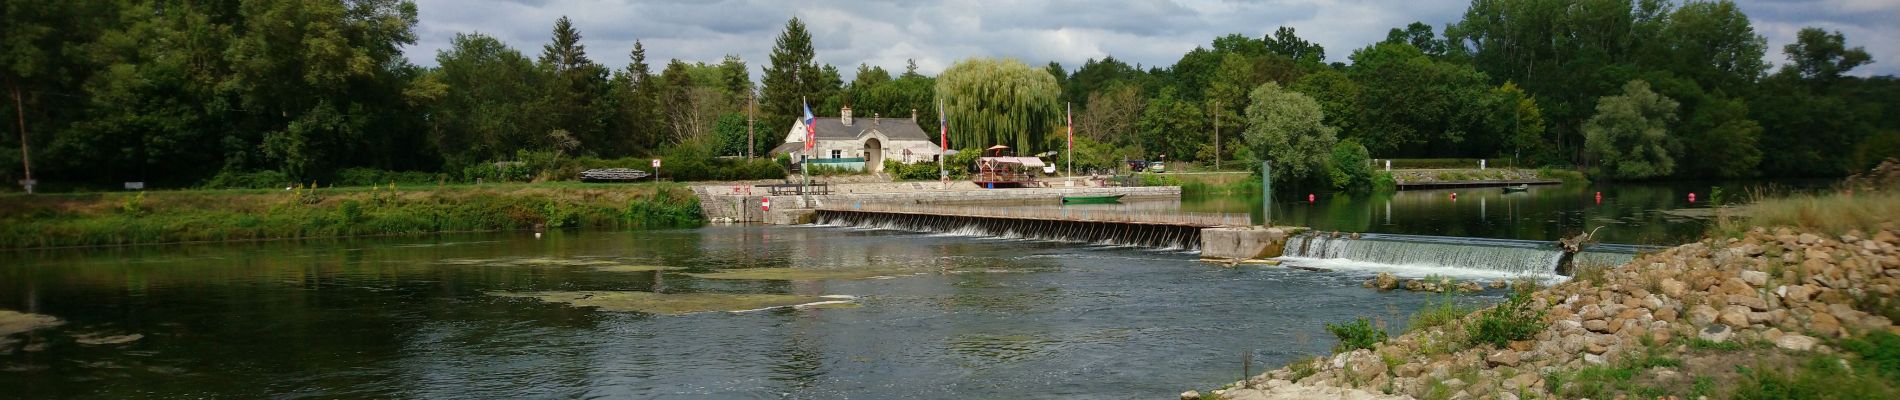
<point>1106,229</point>
<point>1501,255</point>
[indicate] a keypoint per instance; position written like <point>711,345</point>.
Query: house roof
<point>896,128</point>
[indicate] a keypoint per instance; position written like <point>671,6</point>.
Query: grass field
<point>91,219</point>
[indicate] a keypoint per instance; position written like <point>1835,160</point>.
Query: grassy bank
<point>1834,213</point>
<point>93,219</point>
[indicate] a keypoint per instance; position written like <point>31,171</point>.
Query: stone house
<point>859,144</point>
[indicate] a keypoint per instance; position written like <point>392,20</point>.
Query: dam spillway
<point>1104,232</point>
<point>1501,256</point>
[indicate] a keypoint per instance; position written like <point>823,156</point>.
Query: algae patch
<point>95,339</point>
<point>633,268</point>
<point>805,274</point>
<point>529,262</point>
<point>681,303</point>
<point>12,322</point>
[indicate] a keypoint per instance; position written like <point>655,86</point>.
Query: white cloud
<point>938,32</point>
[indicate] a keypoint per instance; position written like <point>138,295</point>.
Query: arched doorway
<point>873,155</point>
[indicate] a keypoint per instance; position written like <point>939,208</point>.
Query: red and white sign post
<point>765,204</point>
<point>656,170</point>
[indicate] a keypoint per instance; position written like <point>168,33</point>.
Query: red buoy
<point>1309,197</point>
<point>1454,196</point>
<point>765,204</point>
<point>1691,197</point>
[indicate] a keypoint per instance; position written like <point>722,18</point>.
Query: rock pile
<point>1781,290</point>
<point>1386,281</point>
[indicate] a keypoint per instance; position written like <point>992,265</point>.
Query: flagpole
<point>810,145</point>
<point>943,142</point>
<point>1071,151</point>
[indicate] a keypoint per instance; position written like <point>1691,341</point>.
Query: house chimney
<point>876,119</point>
<point>913,115</point>
<point>844,116</point>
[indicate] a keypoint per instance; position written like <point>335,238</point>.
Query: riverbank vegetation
<point>307,212</point>
<point>1627,89</point>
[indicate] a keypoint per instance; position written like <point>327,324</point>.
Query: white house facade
<point>860,144</point>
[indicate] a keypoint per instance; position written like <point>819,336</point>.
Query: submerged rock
<point>1385,281</point>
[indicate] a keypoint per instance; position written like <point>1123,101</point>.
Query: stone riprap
<point>1771,293</point>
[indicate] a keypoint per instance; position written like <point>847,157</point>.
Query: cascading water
<point>1166,237</point>
<point>1497,257</point>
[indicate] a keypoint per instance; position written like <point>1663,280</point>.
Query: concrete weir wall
<point>722,204</point>
<point>1244,242</point>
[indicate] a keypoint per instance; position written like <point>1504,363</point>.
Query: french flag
<point>943,127</point>
<point>811,131</point>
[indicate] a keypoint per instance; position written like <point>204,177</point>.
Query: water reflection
<point>1636,213</point>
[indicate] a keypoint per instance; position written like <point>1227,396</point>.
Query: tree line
<point>182,93</point>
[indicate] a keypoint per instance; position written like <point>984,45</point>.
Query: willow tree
<point>1000,101</point>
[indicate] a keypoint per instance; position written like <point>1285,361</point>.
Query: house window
<point>837,154</point>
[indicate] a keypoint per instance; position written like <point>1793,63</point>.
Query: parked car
<point>1158,167</point>
<point>1137,165</point>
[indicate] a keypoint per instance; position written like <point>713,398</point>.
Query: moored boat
<point>1103,199</point>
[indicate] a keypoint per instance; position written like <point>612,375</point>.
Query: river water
<point>937,316</point>
<point>422,317</point>
<point>1630,213</point>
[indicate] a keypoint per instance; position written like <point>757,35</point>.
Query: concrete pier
<point>1243,243</point>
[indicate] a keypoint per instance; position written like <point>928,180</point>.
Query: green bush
<point>1382,181</point>
<point>669,207</point>
<point>1437,312</point>
<point>922,171</point>
<point>377,177</point>
<point>1359,334</point>
<point>1516,319</point>
<point>1567,176</point>
<point>1154,179</point>
<point>1349,166</point>
<point>228,179</point>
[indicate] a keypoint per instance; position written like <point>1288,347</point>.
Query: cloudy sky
<point>939,32</point>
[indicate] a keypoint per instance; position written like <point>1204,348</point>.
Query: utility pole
<point>26,162</point>
<point>751,105</point>
<point>1216,135</point>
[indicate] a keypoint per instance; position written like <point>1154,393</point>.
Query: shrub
<point>1382,181</point>
<point>921,171</point>
<point>1349,168</point>
<point>1437,312</point>
<point>229,179</point>
<point>1359,334</point>
<point>377,177</point>
<point>1153,179</point>
<point>1515,319</point>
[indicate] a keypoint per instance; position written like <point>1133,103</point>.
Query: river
<point>421,318</point>
<point>935,316</point>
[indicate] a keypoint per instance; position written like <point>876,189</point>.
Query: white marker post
<point>656,170</point>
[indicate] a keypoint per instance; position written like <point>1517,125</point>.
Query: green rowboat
<point>1107,199</point>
